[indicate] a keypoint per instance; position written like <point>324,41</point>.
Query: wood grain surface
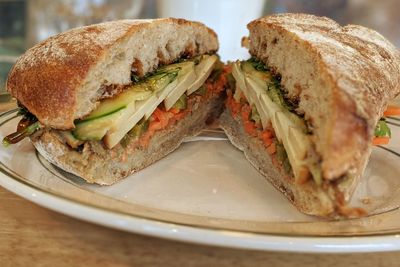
<point>34,236</point>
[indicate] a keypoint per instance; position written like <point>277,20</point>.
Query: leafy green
<point>382,129</point>
<point>27,126</point>
<point>135,78</point>
<point>258,64</point>
<point>22,111</point>
<point>159,73</point>
<point>277,95</point>
<point>21,134</point>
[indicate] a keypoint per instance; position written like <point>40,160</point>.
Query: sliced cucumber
<point>137,92</point>
<point>185,78</point>
<point>140,128</point>
<point>116,116</point>
<point>201,91</point>
<point>111,105</point>
<point>95,129</point>
<point>129,118</point>
<point>181,103</point>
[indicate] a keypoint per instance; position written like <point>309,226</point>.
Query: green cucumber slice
<point>111,105</point>
<point>95,129</point>
<point>181,103</point>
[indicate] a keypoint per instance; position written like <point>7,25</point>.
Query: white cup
<point>227,17</point>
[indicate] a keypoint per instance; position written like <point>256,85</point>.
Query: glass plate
<point>206,185</point>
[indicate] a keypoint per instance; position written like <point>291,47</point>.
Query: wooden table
<point>34,236</point>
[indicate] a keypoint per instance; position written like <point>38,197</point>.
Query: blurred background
<point>23,23</point>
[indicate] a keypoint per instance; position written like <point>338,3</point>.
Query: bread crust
<point>61,78</point>
<point>97,164</point>
<point>357,70</point>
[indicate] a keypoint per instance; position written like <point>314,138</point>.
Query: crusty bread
<point>342,78</point>
<point>97,164</point>
<point>308,198</point>
<point>62,78</point>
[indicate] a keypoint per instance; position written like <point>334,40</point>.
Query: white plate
<point>207,193</point>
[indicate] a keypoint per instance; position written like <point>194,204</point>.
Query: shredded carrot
<point>267,134</point>
<point>228,68</point>
<point>155,125</point>
<point>217,86</point>
<point>161,118</point>
<point>179,116</point>
<point>210,87</point>
<point>232,104</point>
<point>220,83</point>
<point>271,149</point>
<point>246,112</point>
<point>380,141</point>
<point>169,115</point>
<point>157,114</point>
<point>267,142</point>
<point>392,111</point>
<point>250,128</point>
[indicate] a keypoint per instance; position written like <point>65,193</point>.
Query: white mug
<point>227,17</point>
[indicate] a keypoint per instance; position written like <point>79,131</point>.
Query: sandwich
<point>308,105</point>
<point>106,100</point>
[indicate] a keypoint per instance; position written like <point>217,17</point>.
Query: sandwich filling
<point>259,101</point>
<point>149,104</point>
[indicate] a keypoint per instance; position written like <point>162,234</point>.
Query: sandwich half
<point>307,105</point>
<point>106,100</point>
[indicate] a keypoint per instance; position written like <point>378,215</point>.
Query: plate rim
<point>192,233</point>
<point>198,235</point>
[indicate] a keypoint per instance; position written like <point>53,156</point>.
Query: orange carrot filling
<point>161,118</point>
<point>252,128</point>
<point>392,111</point>
<point>376,141</point>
